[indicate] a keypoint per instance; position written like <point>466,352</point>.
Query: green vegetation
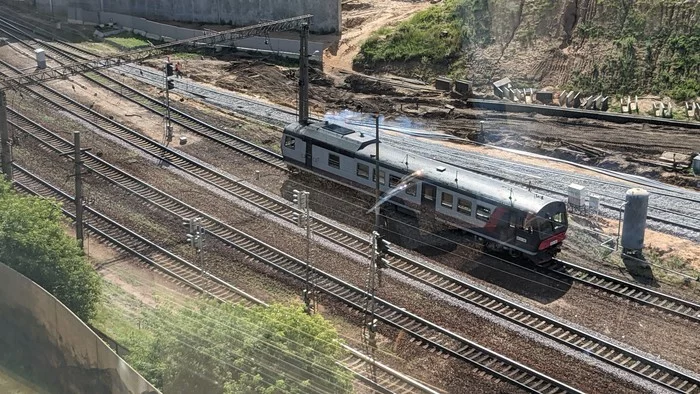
<point>648,46</point>
<point>128,41</point>
<point>33,242</point>
<point>650,54</point>
<point>436,34</point>
<point>206,347</point>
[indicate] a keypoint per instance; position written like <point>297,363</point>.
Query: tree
<point>33,242</point>
<point>222,348</point>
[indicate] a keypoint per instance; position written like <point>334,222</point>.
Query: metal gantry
<point>62,72</point>
<point>260,29</point>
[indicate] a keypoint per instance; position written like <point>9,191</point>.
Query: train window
<point>428,192</point>
<point>333,160</point>
<point>464,206</point>
<point>559,220</point>
<point>447,200</point>
<point>394,180</point>
<point>289,142</point>
<point>411,188</point>
<point>382,180</point>
<point>363,170</point>
<point>483,213</point>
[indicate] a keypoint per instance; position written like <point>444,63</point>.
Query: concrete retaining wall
<point>327,13</point>
<point>43,337</point>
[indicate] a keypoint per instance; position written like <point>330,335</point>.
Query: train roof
<point>362,145</point>
<point>460,179</point>
<point>333,134</point>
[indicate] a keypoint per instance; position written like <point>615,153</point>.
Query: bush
<point>33,242</point>
<point>220,348</point>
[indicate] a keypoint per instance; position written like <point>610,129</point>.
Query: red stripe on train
<point>551,241</point>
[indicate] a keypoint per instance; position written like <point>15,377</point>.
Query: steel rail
<point>460,290</point>
<point>188,122</point>
<point>549,327</point>
<point>426,333</point>
<point>626,289</point>
<point>589,349</point>
<point>114,234</point>
<point>270,205</point>
<point>154,105</point>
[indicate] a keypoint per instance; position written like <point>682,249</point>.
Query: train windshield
<point>549,224</point>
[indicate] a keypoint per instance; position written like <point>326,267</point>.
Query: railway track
<point>114,234</point>
<point>612,284</point>
<point>424,332</point>
<point>447,284</point>
<point>287,212</point>
<point>632,291</point>
<point>154,105</point>
<point>229,140</point>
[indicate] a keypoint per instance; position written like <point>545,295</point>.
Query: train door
<point>309,154</point>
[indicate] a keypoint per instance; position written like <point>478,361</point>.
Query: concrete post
<point>5,139</point>
<point>304,75</point>
<point>78,190</point>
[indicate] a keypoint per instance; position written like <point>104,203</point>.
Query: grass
<point>113,321</point>
<point>128,41</point>
<point>668,267</point>
<point>99,47</point>
<point>434,34</point>
<point>186,55</point>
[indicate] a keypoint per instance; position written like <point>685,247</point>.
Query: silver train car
<point>503,217</point>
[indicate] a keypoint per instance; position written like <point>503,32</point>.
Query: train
<point>503,217</point>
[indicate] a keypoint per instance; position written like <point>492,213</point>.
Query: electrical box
<point>577,195</point>
<point>593,203</point>
<point>40,58</point>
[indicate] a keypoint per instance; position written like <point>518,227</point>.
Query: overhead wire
<point>410,238</point>
<point>136,279</point>
<point>198,303</point>
<point>179,330</point>
<point>417,228</point>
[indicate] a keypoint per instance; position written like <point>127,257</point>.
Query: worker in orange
<point>178,70</point>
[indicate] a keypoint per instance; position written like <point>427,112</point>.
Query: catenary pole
<point>5,139</point>
<point>78,190</point>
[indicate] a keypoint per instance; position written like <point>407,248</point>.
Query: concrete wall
<point>45,339</point>
<point>327,13</point>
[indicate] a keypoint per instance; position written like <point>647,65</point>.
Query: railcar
<point>502,216</point>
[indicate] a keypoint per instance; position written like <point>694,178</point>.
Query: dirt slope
<point>360,19</point>
<point>609,46</point>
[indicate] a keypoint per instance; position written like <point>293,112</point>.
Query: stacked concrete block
<point>692,110</point>
<point>545,97</point>
<point>500,87</point>
<point>464,87</point>
<point>443,83</point>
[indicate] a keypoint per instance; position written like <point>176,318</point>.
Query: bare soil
<point>360,19</point>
